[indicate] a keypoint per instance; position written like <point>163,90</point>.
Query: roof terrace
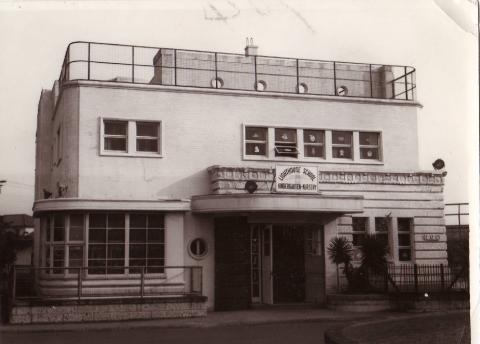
<point>247,72</point>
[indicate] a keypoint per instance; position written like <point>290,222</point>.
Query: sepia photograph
<point>239,171</point>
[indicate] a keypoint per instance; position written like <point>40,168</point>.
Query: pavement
<point>234,318</point>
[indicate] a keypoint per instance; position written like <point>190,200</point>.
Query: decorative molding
<point>417,178</point>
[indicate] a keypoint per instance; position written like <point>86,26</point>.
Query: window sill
<point>131,155</point>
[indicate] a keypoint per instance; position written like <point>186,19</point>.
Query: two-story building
<point>175,172</point>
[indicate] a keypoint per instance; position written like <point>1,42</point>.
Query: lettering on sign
<point>431,237</point>
<point>296,178</point>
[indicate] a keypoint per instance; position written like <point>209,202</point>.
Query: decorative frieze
<point>227,179</point>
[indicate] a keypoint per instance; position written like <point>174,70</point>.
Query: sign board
<point>431,237</point>
<point>296,179</point>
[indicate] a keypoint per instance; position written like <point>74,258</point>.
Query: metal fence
<point>29,283</point>
<point>203,69</point>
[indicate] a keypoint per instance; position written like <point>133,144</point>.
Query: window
<point>286,142</point>
<point>131,138</point>
<point>198,248</point>
<point>359,229</point>
<point>313,241</point>
<point>314,143</point>
<point>404,226</point>
<point>381,229</point>
<point>115,137</point>
<point>369,145</point>
<point>147,137</point>
<point>256,141</point>
<point>65,247</point>
<point>147,242</point>
<point>342,144</point>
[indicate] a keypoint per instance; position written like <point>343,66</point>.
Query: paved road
<point>279,333</point>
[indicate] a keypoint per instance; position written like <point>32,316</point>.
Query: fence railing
<point>203,69</point>
<point>427,278</point>
<point>27,283</point>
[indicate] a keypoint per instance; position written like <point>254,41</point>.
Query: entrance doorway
<point>287,263</point>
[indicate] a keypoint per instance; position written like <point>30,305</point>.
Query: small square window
<point>286,142</point>
<point>256,141</point>
<point>314,143</point>
<point>115,135</point>
<point>147,137</point>
<point>369,145</point>
<point>342,144</point>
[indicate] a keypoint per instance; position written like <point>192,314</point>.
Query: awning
<point>234,203</point>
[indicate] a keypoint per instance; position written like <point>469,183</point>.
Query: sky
<point>34,36</point>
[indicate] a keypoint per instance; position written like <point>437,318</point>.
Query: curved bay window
<point>104,243</point>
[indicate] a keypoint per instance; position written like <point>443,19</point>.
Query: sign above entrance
<point>296,179</point>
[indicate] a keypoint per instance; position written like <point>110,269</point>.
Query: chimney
<point>250,49</point>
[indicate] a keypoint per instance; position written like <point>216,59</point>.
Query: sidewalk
<point>213,319</point>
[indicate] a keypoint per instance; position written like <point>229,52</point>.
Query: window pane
<point>403,225</point>
<point>116,235</point>
<point>116,144</point>
<point>96,267</point>
<point>155,221</point>
<point>116,251</point>
<point>59,228</point>
<point>313,136</point>
<point>404,255</point>
<point>116,221</point>
<point>369,153</point>
<point>404,239</point>
<point>359,224</point>
<point>76,227</point>
<point>155,251</point>
<point>155,235</point>
<point>381,224</point>
<point>342,137</point>
<point>313,151</point>
<point>138,221</point>
<point>98,221</point>
<point>147,145</point>
<point>256,148</point>
<point>75,258</point>
<point>255,133</point>
<point>369,139</point>
<point>138,251</point>
<point>115,127</point>
<point>285,135</point>
<point>48,229</point>
<point>138,235</point>
<point>342,152</point>
<point>147,129</point>
<point>96,251</point>
<point>98,235</point>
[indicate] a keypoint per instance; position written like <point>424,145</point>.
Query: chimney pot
<point>251,49</point>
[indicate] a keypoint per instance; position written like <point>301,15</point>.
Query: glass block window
<point>314,143</point>
<point>286,142</point>
<point>256,141</point>
<point>404,226</point>
<point>359,230</point>
<point>369,145</point>
<point>342,144</point>
<point>115,135</point>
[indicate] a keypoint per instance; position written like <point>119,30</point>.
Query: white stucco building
<point>238,166</point>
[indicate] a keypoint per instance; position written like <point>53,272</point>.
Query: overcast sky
<point>34,36</point>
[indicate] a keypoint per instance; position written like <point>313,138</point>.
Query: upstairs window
<point>115,136</point>
<point>342,144</point>
<point>314,143</point>
<point>286,142</point>
<point>131,138</point>
<point>369,145</point>
<point>256,141</point>
<point>147,136</point>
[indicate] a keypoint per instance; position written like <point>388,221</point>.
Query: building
<point>225,175</point>
<point>22,226</point>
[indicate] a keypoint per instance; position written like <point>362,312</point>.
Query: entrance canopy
<point>235,203</point>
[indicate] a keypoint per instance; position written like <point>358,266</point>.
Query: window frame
<point>343,145</point>
<point>131,138</point>
<point>300,141</point>
<point>378,146</point>
<point>363,232</point>
<point>402,232</point>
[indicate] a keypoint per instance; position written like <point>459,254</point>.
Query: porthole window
<point>217,83</point>
<point>342,91</point>
<point>261,86</point>
<point>302,88</point>
<point>198,248</point>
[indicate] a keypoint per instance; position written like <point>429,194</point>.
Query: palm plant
<point>374,254</point>
<point>340,252</point>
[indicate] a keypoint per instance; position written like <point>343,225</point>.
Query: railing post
<point>442,276</point>
<point>371,81</point>
<point>88,70</point>
<point>334,78</point>
<point>406,84</point>
<point>216,71</point>
<point>79,284</point>
<point>415,277</point>
<point>142,282</point>
<point>298,78</point>
<point>133,64</point>
<point>175,67</point>
<point>255,70</point>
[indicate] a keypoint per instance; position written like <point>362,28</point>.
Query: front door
<point>288,263</point>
